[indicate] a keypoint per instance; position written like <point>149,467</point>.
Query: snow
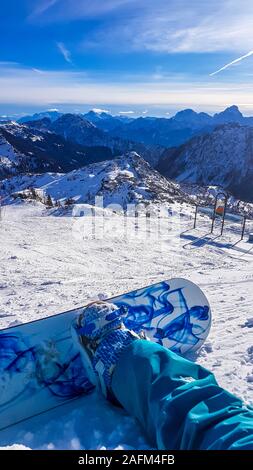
<point>222,157</point>
<point>36,138</point>
<point>100,111</point>
<point>87,423</point>
<point>21,182</point>
<point>15,447</point>
<point>47,267</point>
<point>124,180</point>
<point>8,155</point>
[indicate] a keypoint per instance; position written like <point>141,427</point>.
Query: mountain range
<point>154,131</point>
<point>66,143</point>
<point>128,179</point>
<point>222,157</point>
<point>29,150</point>
<point>77,129</point>
<point>216,150</point>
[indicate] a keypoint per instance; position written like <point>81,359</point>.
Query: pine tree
<point>49,202</point>
<point>69,201</point>
<point>33,193</point>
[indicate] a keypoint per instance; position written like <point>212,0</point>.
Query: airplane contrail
<point>232,63</point>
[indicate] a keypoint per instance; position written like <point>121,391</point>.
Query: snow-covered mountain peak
<point>223,157</point>
<point>103,113</point>
<point>13,123</point>
<point>128,179</point>
<point>134,156</point>
<point>124,180</point>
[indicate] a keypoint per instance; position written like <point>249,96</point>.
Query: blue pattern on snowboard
<point>42,369</point>
<point>187,329</point>
<point>41,366</point>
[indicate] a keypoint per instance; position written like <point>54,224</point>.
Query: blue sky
<point>139,56</point>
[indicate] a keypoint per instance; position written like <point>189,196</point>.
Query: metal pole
<point>93,230</point>
<point>136,222</point>
<point>243,226</point>
<point>225,196</point>
<point>224,215</point>
<point>195,218</point>
<point>148,224</point>
<point>214,214</point>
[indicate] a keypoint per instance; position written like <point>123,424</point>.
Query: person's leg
<point>178,402</point>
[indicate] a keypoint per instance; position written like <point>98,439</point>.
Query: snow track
<point>44,270</point>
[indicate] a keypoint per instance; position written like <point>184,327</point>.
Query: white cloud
<point>100,111</point>
<point>64,51</point>
<point>175,26</point>
<point>126,112</point>
<point>23,87</point>
<point>37,71</point>
<point>168,26</point>
<point>41,7</point>
<point>8,63</point>
<point>61,10</point>
<point>234,62</point>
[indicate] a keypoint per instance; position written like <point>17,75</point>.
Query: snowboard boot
<point>101,336</point>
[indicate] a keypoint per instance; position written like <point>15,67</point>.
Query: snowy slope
<point>27,149</point>
<point>223,157</point>
<point>10,157</point>
<point>125,180</point>
<point>20,183</point>
<point>128,179</point>
<point>46,269</point>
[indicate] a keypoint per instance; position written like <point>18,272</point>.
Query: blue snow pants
<point>179,403</point>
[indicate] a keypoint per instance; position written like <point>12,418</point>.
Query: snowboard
<point>40,365</point>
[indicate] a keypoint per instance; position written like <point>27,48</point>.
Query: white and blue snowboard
<point>40,367</point>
